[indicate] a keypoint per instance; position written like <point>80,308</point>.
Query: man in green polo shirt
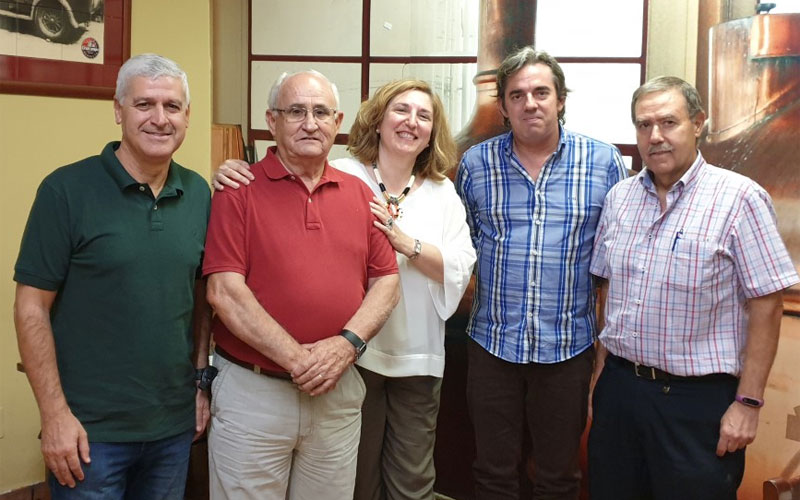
<point>107,323</point>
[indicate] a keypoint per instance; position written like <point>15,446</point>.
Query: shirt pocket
<point>691,265</point>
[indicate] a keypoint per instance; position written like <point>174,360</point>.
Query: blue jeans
<point>150,470</point>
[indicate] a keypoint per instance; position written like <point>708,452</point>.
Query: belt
<point>253,368</point>
<point>652,373</point>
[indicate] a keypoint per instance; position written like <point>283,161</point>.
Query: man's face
<point>665,134</point>
<point>154,117</point>
<point>531,104</point>
<point>309,138</point>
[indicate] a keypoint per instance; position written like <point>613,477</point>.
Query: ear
<point>501,107</point>
<point>188,112</point>
<point>561,104</point>
<point>270,121</point>
<point>339,118</point>
<point>697,122</point>
<point>117,112</point>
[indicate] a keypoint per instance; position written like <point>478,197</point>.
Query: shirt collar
<point>687,179</point>
<point>173,184</point>
<point>274,169</point>
<point>508,142</point>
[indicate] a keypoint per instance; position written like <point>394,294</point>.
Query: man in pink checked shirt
<point>695,270</point>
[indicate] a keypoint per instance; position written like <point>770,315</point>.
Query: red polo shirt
<point>307,256</point>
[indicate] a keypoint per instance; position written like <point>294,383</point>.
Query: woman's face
<point>407,123</point>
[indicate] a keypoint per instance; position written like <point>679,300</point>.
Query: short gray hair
<point>275,91</point>
<point>694,103</point>
<point>150,66</point>
<point>528,56</point>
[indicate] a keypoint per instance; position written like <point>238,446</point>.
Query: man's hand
<point>201,413</point>
<point>737,428</point>
<point>231,173</point>
<point>330,358</point>
<point>64,445</point>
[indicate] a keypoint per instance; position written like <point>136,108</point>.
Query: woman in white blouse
<point>402,148</point>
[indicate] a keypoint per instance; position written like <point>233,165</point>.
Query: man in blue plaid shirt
<point>533,198</point>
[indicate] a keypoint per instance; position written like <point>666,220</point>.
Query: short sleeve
<point>226,246</point>
<point>763,264</point>
<point>46,247</point>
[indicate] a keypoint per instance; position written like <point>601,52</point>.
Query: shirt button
<point>291,177</point>
<point>533,284</point>
<point>155,207</point>
<point>141,188</point>
<point>538,221</point>
<point>309,200</point>
<point>530,314</point>
<point>650,236</point>
<point>534,252</point>
<point>637,302</point>
<point>634,334</point>
<point>641,268</point>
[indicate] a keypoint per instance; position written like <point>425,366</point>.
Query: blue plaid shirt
<point>535,299</point>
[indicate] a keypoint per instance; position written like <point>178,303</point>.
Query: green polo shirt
<point>123,264</point>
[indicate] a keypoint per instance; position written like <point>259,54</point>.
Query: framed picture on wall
<point>64,48</point>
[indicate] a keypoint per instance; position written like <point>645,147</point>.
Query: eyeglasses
<point>295,114</point>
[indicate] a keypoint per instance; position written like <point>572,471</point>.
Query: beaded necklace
<point>392,201</point>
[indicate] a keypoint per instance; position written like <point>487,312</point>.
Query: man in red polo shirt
<point>300,279</point>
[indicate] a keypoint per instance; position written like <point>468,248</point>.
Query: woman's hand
<point>399,240</point>
<point>231,173</point>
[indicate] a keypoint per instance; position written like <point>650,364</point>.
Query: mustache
<point>659,149</point>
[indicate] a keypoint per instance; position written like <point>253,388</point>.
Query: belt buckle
<point>644,373</point>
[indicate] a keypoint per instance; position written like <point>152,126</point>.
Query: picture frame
<point>44,76</point>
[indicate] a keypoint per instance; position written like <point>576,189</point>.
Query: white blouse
<point>411,341</point>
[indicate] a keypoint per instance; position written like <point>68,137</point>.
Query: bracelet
<point>417,250</point>
<point>748,401</point>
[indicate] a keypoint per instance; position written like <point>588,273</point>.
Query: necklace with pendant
<point>392,201</point>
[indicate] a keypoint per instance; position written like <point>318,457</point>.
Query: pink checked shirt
<point>679,281</point>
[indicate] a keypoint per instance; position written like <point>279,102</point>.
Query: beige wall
<point>672,39</point>
<point>38,134</point>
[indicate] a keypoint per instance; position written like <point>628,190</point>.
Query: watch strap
<point>357,342</point>
<point>748,401</point>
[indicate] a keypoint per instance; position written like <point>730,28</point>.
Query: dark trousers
<point>551,399</point>
<point>151,470</point>
<point>652,439</point>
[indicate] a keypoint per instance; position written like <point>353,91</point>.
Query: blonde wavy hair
<point>434,161</point>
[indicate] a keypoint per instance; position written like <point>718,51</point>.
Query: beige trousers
<point>269,441</point>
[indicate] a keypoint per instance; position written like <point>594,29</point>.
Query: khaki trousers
<point>269,441</point>
<point>398,432</point>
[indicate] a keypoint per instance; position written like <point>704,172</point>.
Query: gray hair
<point>150,66</point>
<point>275,91</point>
<point>663,83</point>
<point>527,56</point>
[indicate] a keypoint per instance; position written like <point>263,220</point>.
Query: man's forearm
<point>763,330</point>
<point>244,316</point>
<point>37,348</point>
<point>381,298</point>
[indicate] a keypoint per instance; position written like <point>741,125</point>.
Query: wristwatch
<point>417,250</point>
<point>354,339</point>
<point>204,376</point>
<point>748,401</point>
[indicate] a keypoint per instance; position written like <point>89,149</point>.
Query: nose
<point>530,101</point>
<point>655,135</point>
<point>412,119</point>
<point>309,122</point>
<point>158,116</point>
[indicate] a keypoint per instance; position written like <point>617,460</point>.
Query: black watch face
<point>750,402</point>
